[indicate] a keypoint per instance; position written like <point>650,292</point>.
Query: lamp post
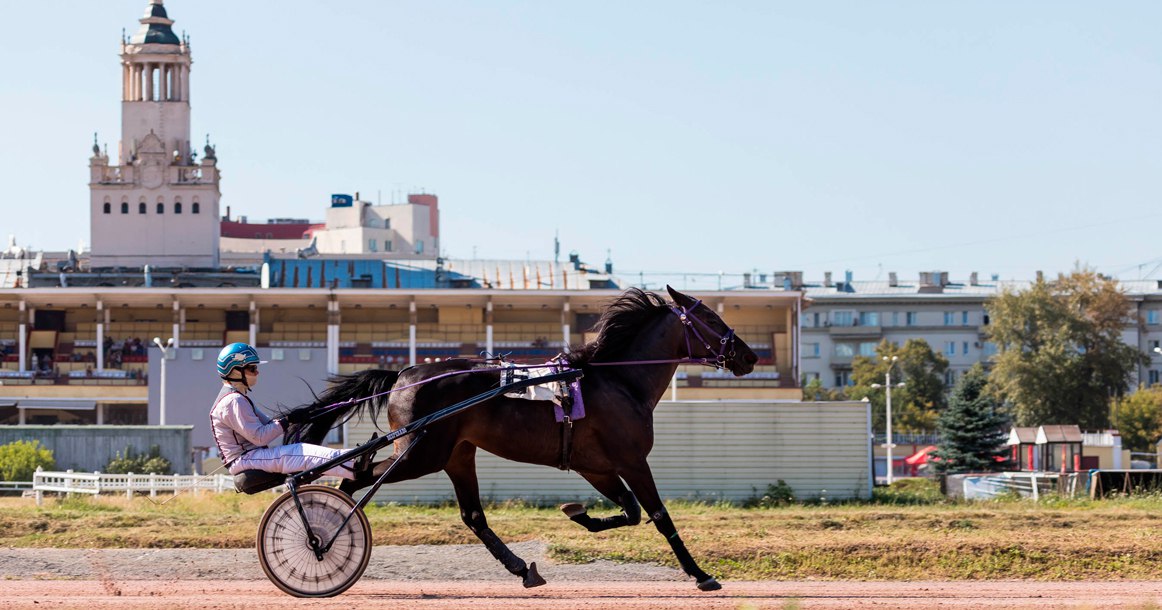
<point>161,389</point>
<point>888,397</point>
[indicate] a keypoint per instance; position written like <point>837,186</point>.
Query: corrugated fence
<point>729,450</point>
<point>89,448</point>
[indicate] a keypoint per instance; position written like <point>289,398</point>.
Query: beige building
<point>154,203</point>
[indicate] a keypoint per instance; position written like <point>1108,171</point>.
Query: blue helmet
<point>235,355</point>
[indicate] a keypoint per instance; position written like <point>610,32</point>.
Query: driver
<point>243,433</point>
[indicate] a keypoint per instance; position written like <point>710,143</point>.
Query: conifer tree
<point>973,428</point>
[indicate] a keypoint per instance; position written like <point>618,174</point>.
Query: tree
<point>19,460</point>
<point>813,391</point>
<point>914,406</point>
<point>1139,419</point>
<point>972,429</point>
<point>1061,356</point>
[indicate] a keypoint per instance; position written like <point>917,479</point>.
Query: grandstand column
<point>565,326</point>
<point>412,333</point>
<point>488,327</point>
<point>23,340</point>
<point>333,336</point>
<point>253,323</point>
<point>101,412</point>
<point>100,336</point>
<point>179,315</point>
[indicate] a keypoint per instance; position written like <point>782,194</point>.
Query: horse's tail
<point>341,402</point>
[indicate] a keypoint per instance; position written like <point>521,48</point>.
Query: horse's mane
<point>618,326</point>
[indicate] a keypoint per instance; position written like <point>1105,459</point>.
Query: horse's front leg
<point>611,487</point>
<point>641,481</point>
<point>461,469</point>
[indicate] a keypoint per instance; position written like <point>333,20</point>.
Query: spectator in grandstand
<point>243,433</point>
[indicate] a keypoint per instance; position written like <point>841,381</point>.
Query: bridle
<point>690,325</point>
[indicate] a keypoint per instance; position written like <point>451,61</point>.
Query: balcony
<point>855,332</point>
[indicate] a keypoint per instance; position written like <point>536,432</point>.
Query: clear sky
<point>999,137</point>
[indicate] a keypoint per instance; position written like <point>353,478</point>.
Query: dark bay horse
<point>609,446</point>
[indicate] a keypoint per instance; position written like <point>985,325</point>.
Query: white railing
<point>96,483</point>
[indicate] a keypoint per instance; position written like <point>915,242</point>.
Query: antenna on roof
<point>556,246</point>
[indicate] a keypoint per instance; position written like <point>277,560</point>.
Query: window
<point>986,319</point>
<point>843,318</point>
<point>867,348</point>
<point>910,318</point>
<point>1153,377</point>
<point>177,207</point>
<point>844,350</point>
<point>387,223</point>
<point>124,207</point>
<point>869,318</point>
<point>895,318</point>
<point>810,350</point>
<point>387,245</point>
<point>419,246</point>
<point>196,208</point>
<point>141,208</point>
<point>160,208</point>
<point>990,348</point>
<point>108,207</point>
<point>964,348</point>
<point>1154,345</point>
<point>949,318</point>
<point>950,378</point>
<point>1152,316</point>
<point>842,378</point>
<point>371,245</point>
<point>277,353</point>
<point>964,318</point>
<point>949,348</point>
<point>304,354</point>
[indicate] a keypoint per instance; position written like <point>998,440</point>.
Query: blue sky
<point>997,137</point>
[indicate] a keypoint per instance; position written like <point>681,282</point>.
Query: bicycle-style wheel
<point>284,549</point>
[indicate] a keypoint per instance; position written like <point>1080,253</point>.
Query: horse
<point>640,342</point>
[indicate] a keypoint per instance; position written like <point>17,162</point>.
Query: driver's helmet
<point>236,355</point>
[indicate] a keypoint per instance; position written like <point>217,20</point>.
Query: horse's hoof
<point>573,509</point>
<point>709,585</point>
<point>532,578</point>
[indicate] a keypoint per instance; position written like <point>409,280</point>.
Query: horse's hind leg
<point>461,469</point>
<point>611,487</point>
<point>641,481</point>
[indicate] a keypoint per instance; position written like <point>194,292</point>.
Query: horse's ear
<point>678,297</point>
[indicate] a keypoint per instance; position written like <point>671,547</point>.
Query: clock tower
<point>156,203</point>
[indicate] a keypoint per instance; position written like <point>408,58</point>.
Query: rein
<point>685,315</point>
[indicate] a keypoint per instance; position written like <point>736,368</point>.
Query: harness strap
<point>566,431</point>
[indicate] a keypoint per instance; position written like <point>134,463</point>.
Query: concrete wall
<point>702,449</point>
<point>192,383</point>
<point>89,448</point>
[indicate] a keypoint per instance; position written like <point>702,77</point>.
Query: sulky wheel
<point>285,551</point>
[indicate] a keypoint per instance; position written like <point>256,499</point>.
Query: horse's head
<point>709,337</point>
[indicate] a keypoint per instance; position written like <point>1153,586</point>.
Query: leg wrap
<point>631,515</point>
<point>666,527</point>
<point>479,526</point>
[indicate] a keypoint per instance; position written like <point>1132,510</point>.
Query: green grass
<point>907,532</point>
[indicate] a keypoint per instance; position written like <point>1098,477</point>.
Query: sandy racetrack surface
<point>467,577</point>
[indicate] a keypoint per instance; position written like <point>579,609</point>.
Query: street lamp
<point>888,396</point>
<point>164,350</point>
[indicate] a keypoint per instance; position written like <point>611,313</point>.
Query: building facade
<point>154,203</point>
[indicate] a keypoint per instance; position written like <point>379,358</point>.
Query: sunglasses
<point>250,368</point>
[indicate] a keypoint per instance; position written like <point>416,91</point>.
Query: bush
<point>909,491</point>
<point>131,461</point>
<point>779,494</point>
<point>19,460</point>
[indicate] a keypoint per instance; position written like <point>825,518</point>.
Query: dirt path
<point>467,577</point>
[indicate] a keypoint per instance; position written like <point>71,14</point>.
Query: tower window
<point>108,207</point>
<point>177,207</point>
<point>141,208</point>
<point>124,207</point>
<point>197,208</point>
<point>160,208</point>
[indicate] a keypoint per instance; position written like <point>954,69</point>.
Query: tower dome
<point>155,26</point>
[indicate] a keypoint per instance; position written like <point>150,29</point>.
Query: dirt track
<point>466,577</point>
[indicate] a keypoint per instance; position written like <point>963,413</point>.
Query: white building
<point>155,204</point>
<point>405,230</point>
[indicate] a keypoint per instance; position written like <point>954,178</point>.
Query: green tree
<point>139,463</point>
<point>19,460</point>
<point>973,428</point>
<point>813,391</point>
<point>1139,419</point>
<point>1061,356</point>
<point>914,406</point>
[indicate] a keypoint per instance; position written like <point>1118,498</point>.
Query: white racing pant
<point>288,459</point>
